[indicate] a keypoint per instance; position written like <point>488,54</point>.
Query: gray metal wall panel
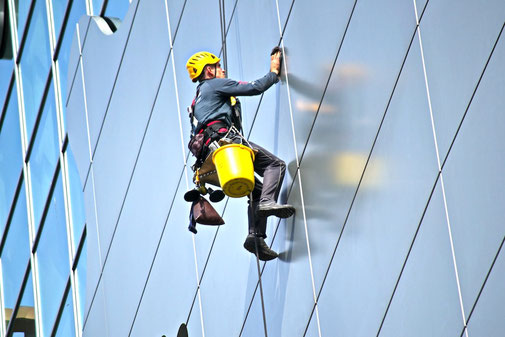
<point>390,199</point>
<point>102,54</point>
<point>97,321</point>
<point>458,38</point>
<point>427,291</point>
<point>77,127</point>
<point>474,181</point>
<point>172,283</point>
<point>94,254</point>
<point>130,108</point>
<point>152,189</point>
<point>389,204</point>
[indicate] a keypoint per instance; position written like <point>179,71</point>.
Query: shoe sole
<point>251,248</point>
<point>278,212</point>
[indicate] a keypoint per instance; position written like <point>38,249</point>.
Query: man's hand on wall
<point>275,61</point>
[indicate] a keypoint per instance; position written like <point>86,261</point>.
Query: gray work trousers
<point>272,169</point>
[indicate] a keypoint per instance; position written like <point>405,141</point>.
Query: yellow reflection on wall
<point>348,167</point>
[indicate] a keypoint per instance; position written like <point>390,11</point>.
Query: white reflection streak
<point>440,172</point>
<point>299,172</point>
<point>81,62</point>
<point>84,92</point>
<point>184,160</point>
<point>175,83</point>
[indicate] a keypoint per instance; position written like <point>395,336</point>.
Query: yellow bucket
<point>234,166</point>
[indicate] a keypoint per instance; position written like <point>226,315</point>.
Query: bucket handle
<point>242,138</point>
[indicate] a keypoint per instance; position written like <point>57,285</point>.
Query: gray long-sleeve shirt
<point>213,100</point>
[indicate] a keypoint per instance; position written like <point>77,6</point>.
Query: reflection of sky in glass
<point>52,259</point>
<point>22,8</point>
<point>76,196</point>
<point>97,6</point>
<point>5,71</point>
<point>78,9</point>
<point>10,157</point>
<point>26,309</point>
<point>117,9</point>
<point>16,253</point>
<point>35,64</point>
<point>81,281</point>
<point>59,7</point>
<point>66,323</point>
<point>44,156</point>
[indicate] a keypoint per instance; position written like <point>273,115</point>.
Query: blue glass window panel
<point>97,6</point>
<point>81,282</point>
<point>35,64</point>
<point>11,157</point>
<point>66,325</point>
<point>78,10</point>
<point>26,308</point>
<point>22,9</point>
<point>44,156</point>
<point>52,259</point>
<point>59,7</point>
<point>5,69</point>
<point>76,198</point>
<point>16,253</point>
<point>117,9</point>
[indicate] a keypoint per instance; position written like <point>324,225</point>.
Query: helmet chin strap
<point>215,70</point>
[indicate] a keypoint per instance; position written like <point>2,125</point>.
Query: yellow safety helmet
<point>198,61</point>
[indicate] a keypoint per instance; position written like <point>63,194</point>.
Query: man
<point>214,110</point>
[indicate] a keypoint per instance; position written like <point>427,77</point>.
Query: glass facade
<point>42,223</point>
<point>388,115</point>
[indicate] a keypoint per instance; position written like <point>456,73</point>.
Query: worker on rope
<point>215,112</point>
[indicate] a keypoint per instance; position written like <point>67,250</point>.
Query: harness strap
<point>213,130</point>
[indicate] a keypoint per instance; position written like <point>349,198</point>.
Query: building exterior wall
<point>42,218</point>
<point>389,116</point>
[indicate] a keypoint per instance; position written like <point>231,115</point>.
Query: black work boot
<point>267,208</point>
<point>264,252</point>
